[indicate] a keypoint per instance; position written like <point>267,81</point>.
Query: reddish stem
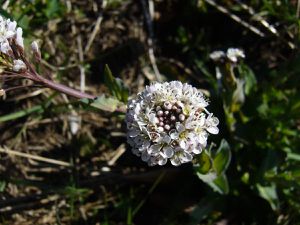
<point>61,88</point>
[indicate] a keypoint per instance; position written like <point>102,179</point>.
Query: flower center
<point>168,114</point>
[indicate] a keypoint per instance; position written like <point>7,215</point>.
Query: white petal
<point>214,121</point>
<point>213,130</point>
<point>134,132</point>
<point>9,34</point>
<point>179,127</point>
<point>197,150</point>
<point>182,144</point>
<point>145,156</point>
<point>154,149</point>
<point>175,161</point>
<point>202,121</point>
<point>186,157</point>
<point>168,151</point>
<point>202,138</point>
<point>153,119</point>
<point>166,139</point>
<point>146,144</point>
<point>162,161</point>
<point>5,48</point>
<point>135,151</point>
<point>174,135</point>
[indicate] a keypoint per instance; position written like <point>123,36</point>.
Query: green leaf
<point>104,103</point>
<point>205,163</point>
<point>2,186</point>
<point>21,113</point>
<point>218,183</point>
<point>116,86</point>
<point>249,77</point>
<point>222,157</point>
<point>53,8</point>
<point>293,156</point>
<point>269,193</point>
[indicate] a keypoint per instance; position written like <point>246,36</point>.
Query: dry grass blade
<point>34,157</point>
<point>235,18</point>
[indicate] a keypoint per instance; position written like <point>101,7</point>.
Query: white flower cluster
<point>232,54</point>
<point>10,34</point>
<point>169,121</point>
<point>12,43</point>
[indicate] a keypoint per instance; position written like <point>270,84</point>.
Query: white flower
<point>169,121</point>
<point>7,29</point>
<point>9,33</point>
<point>234,54</point>
<point>19,65</point>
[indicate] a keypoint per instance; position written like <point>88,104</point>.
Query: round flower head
<point>169,121</point>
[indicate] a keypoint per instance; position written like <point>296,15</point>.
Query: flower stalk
<point>60,87</point>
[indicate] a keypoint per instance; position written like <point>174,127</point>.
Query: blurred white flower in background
<point>232,55</point>
<point>169,121</point>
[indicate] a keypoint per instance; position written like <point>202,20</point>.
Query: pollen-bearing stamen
<point>169,121</point>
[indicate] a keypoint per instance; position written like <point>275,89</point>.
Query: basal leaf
<point>218,183</point>
<point>104,103</point>
<point>269,193</point>
<point>222,157</point>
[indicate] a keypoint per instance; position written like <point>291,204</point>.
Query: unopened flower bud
<point>160,113</point>
<point>19,38</point>
<point>167,106</point>
<point>36,51</point>
<point>2,92</point>
<point>167,127</point>
<point>181,117</point>
<point>19,66</point>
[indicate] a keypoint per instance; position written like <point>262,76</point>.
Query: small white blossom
<point>19,65</point>
<point>234,54</point>
<point>217,55</point>
<point>169,121</point>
